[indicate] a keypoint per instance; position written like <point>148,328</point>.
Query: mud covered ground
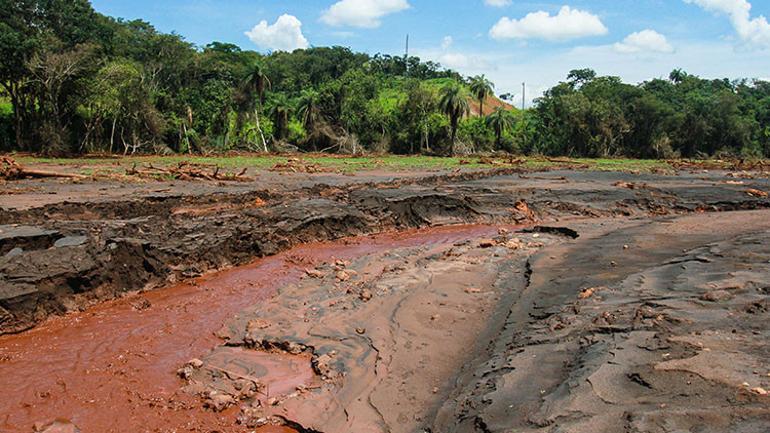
<point>495,301</point>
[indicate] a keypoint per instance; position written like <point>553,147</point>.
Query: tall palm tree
<point>454,103</point>
<point>279,110</point>
<point>481,88</point>
<point>308,110</point>
<point>255,83</point>
<point>677,76</point>
<point>501,121</point>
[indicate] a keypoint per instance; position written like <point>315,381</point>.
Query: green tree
<point>454,104</point>
<point>33,33</point>
<point>280,109</point>
<point>416,110</point>
<point>55,77</point>
<point>501,121</point>
<point>579,77</point>
<point>481,88</point>
<point>308,110</point>
<point>254,86</point>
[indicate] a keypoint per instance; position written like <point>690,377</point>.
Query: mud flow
<point>482,302</point>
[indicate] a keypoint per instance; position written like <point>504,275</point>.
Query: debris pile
<point>188,171</point>
<point>9,168</point>
<point>296,165</point>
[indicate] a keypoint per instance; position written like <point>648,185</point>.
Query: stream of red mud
<point>112,368</point>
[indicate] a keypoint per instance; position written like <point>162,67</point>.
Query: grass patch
<point>6,108</point>
<point>346,164</point>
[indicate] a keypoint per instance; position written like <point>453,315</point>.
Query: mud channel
<point>562,301</point>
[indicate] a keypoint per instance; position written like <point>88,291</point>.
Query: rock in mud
<point>59,426</point>
<point>717,296</point>
<point>218,402</point>
<point>487,243</point>
<point>315,273</point>
<point>365,295</point>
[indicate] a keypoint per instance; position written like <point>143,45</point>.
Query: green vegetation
<point>350,164</point>
<point>75,82</point>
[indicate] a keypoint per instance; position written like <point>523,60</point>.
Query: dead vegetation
<point>721,164</point>
<point>12,170</point>
<point>296,165</point>
<point>188,171</point>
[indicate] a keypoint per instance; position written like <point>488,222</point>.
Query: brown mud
<point>638,304</point>
<point>124,354</point>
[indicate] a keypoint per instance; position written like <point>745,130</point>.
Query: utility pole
<point>523,95</point>
<point>406,55</point>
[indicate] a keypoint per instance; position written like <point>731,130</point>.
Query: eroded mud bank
<point>63,256</point>
<point>652,320</point>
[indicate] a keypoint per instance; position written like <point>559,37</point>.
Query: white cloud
<point>284,35</point>
<point>754,31</point>
<point>567,24</point>
<point>644,41</point>
<point>497,3</point>
<point>361,13</point>
<point>451,58</point>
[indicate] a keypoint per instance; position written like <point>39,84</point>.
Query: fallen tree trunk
<point>12,170</point>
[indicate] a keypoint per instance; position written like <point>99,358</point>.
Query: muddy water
<point>112,368</point>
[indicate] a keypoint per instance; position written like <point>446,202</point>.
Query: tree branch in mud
<point>12,170</point>
<point>188,171</point>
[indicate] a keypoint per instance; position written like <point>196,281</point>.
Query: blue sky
<point>511,41</point>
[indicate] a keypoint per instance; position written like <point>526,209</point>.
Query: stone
<point>717,296</point>
<point>58,426</point>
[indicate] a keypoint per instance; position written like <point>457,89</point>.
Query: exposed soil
<point>575,301</point>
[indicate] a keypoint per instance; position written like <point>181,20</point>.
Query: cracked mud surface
<point>602,302</point>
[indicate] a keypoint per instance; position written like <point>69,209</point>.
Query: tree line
<point>75,81</point>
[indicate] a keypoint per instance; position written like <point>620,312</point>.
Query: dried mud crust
<point>63,256</point>
<point>646,327</point>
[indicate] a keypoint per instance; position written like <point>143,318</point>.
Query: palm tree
<point>308,111</point>
<point>501,120</point>
<point>255,83</point>
<point>481,88</point>
<point>677,76</point>
<point>279,110</point>
<point>454,103</point>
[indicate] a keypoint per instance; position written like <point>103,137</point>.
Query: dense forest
<point>75,81</point>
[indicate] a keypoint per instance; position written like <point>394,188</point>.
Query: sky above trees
<point>511,41</point>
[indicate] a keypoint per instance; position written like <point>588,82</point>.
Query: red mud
<point>112,368</point>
